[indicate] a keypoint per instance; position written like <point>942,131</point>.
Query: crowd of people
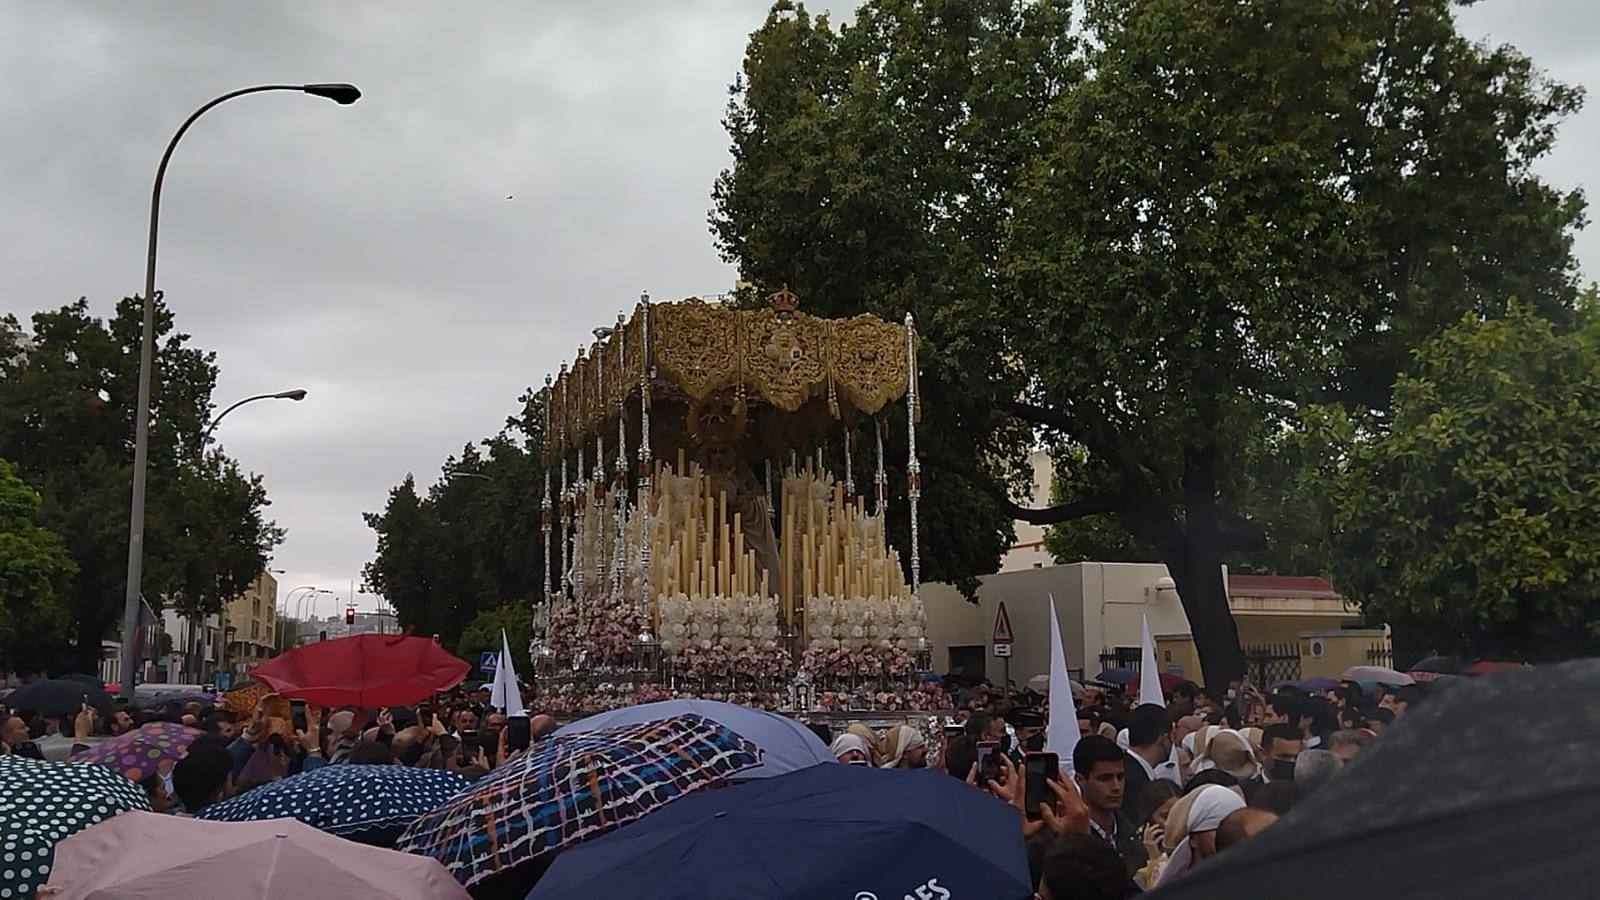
<point>1148,792</point>
<point>1154,789</point>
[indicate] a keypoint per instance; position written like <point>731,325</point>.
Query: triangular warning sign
<point>1002,625</point>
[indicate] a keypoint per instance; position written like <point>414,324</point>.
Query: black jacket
<point>1126,842</point>
<point>1136,781</point>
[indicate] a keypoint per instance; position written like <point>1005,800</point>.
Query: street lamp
<point>342,94</point>
<point>297,394</point>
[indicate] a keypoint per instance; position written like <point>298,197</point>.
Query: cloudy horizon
<point>508,181</point>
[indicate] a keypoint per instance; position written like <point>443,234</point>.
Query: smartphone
<point>954,731</point>
<point>518,733</point>
<point>297,712</point>
<point>469,746</point>
<point>988,762</point>
<point>425,716</point>
<point>1038,769</point>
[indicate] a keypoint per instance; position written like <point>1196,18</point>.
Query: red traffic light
<point>349,615</point>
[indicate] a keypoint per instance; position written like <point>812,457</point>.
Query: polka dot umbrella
<point>147,750</point>
<point>368,804</point>
<point>41,803</point>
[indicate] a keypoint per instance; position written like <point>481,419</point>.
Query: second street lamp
<point>297,394</point>
<point>342,94</point>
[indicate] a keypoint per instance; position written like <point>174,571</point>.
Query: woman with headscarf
<point>1192,824</point>
<point>869,737</point>
<point>851,750</point>
<point>904,747</point>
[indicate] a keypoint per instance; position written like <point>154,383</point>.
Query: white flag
<point>1061,731</point>
<point>504,693</point>
<point>1149,677</point>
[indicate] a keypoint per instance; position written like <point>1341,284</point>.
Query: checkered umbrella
<point>570,788</point>
<point>43,802</point>
<point>369,804</point>
<point>147,750</point>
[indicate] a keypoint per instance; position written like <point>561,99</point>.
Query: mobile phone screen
<point>518,733</point>
<point>1038,768</point>
<point>988,761</point>
<point>469,745</point>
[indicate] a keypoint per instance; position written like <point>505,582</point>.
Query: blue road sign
<point>487,660</point>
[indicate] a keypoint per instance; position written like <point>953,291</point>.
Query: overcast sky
<point>370,254</point>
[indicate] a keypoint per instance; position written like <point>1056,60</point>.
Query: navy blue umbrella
<point>824,831</point>
<point>369,804</point>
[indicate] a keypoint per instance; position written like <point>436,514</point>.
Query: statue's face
<point>719,457</point>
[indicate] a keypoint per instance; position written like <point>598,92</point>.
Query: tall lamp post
<point>342,94</point>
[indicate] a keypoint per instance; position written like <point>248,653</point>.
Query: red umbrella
<point>364,670</point>
<point>1170,681</point>
<point>1487,666</point>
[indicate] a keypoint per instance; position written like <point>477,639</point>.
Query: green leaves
<point>35,580</point>
<point>66,422</point>
<point>1468,518</point>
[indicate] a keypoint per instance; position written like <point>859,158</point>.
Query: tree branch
<point>1094,505</point>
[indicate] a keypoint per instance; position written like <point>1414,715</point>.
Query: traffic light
<point>322,635</point>
<point>349,615</point>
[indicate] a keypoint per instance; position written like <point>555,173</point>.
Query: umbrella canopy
<point>1489,666</point>
<point>43,802</point>
<point>61,697</point>
<point>147,750</point>
<point>785,744</point>
<point>826,831</point>
<point>363,670</point>
<point>145,856</point>
<point>1169,681</point>
<point>1427,810</point>
<point>571,788</point>
<point>1440,665</point>
<point>1316,684</point>
<point>1377,675</point>
<point>369,804</point>
<point>1117,677</point>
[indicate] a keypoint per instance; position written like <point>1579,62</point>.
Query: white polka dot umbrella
<point>43,802</point>
<point>370,804</point>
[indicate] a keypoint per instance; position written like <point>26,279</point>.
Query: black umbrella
<point>61,697</point>
<point>82,679</point>
<point>1485,790</point>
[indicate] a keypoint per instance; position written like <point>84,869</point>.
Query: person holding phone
<point>1102,779</point>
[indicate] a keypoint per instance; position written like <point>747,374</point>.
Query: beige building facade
<point>1100,606</point>
<point>251,623</point>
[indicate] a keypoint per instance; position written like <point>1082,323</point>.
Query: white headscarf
<point>1211,804</point>
<point>905,738</point>
<point>846,742</point>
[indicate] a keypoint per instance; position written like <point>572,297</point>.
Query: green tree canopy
<point>66,420</point>
<point>472,542</point>
<point>483,633</point>
<point>35,581</point>
<point>1467,518</point>
<point>1150,250</point>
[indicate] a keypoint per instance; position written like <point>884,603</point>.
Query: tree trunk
<point>1192,552</point>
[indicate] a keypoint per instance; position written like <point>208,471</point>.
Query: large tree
<point>1466,519</point>
<point>66,421</point>
<point>35,576</point>
<point>472,542</point>
<point>1153,253</point>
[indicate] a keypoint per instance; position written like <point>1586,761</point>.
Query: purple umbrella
<point>1317,684</point>
<point>147,750</point>
<point>1117,677</point>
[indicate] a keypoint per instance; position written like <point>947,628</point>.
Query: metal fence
<point>1269,664</point>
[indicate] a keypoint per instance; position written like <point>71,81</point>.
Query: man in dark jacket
<point>1098,767</point>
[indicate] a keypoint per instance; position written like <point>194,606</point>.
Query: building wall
<point>252,616</point>
<point>1101,607</point>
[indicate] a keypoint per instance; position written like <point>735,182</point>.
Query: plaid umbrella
<point>43,802</point>
<point>570,788</point>
<point>369,804</point>
<point>147,750</point>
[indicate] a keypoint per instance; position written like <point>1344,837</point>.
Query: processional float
<point>703,532</point>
